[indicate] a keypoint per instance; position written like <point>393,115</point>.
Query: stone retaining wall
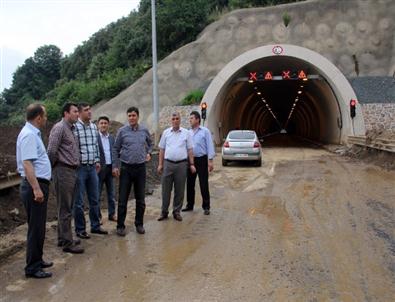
<point>379,116</point>
<point>376,116</point>
<point>185,111</point>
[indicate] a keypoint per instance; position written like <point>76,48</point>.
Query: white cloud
<point>26,25</point>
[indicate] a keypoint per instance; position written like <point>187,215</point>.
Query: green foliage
<point>113,58</point>
<point>286,19</point>
<point>193,98</point>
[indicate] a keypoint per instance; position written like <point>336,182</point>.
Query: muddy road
<point>306,226</point>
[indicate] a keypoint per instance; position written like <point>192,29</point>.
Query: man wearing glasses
<point>175,155</point>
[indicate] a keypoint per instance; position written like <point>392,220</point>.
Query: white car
<point>242,145</point>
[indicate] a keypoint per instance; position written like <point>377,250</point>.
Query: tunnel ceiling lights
<point>269,109</point>
<point>292,109</point>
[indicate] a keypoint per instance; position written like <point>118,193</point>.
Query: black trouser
<point>131,175</point>
<point>36,218</point>
<point>201,165</point>
<point>105,177</point>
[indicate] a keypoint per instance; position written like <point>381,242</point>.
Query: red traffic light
<point>203,105</point>
<point>353,103</point>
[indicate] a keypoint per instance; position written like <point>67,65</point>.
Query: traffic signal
<point>353,104</point>
<point>203,106</point>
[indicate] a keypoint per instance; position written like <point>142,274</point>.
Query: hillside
<point>112,59</point>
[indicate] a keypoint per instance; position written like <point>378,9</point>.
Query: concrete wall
<point>357,36</point>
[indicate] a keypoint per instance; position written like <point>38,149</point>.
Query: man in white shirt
<point>175,155</point>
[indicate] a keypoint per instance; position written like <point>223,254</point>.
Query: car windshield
<point>242,135</point>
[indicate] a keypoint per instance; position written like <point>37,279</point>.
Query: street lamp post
<point>155,75</point>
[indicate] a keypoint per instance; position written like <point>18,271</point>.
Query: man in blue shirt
<point>35,168</point>
<point>203,152</point>
<point>132,149</point>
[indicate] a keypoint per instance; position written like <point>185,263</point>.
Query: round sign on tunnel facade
<point>277,50</point>
<point>320,106</point>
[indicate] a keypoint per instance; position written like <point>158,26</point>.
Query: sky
<point>26,25</point>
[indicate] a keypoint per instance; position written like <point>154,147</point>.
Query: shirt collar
<point>135,128</point>
<point>85,125</point>
<point>104,135</point>
<point>68,124</point>
<point>33,128</point>
<point>172,130</point>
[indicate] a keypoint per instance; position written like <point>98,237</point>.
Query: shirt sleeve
<point>53,144</point>
<point>210,145</point>
<point>97,154</point>
<point>149,142</point>
<point>189,140</point>
<point>162,142</point>
<point>116,148</point>
<point>29,147</point>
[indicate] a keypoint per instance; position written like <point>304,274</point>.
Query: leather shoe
<point>121,232</point>
<point>163,217</point>
<point>206,212</point>
<point>83,235</point>
<point>177,217</point>
<point>113,218</point>
<point>40,274</point>
<point>73,249</point>
<point>140,229</point>
<point>187,209</point>
<point>99,231</point>
<point>63,243</point>
<point>46,264</point>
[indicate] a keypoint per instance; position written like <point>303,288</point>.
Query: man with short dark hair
<point>132,149</point>
<point>87,179</point>
<point>35,168</point>
<point>175,156</point>
<point>203,152</point>
<point>106,143</point>
<point>63,151</point>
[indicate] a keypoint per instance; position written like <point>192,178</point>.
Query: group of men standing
<point>82,157</point>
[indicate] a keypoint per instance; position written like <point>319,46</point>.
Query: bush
<point>193,98</point>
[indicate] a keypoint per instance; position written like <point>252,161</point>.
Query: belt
<point>41,180</point>
<point>132,165</point>
<point>176,161</point>
<point>66,165</point>
<point>86,164</point>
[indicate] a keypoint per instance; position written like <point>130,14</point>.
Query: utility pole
<point>155,75</point>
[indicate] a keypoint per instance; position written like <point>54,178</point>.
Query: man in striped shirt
<point>86,133</point>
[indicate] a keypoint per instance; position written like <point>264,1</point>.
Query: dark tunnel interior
<point>305,108</point>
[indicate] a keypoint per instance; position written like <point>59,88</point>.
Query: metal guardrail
<point>11,180</point>
<point>377,143</point>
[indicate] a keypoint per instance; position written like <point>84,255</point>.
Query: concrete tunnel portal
<point>254,92</point>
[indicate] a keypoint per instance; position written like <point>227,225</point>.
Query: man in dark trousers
<point>64,153</point>
<point>203,152</point>
<point>132,149</point>
<point>35,168</point>
<point>106,143</point>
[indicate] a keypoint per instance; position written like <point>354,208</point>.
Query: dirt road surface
<point>306,226</point>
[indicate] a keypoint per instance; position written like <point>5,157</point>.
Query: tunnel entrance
<point>282,89</point>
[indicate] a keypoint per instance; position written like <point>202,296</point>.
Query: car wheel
<point>224,162</point>
<point>258,163</point>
